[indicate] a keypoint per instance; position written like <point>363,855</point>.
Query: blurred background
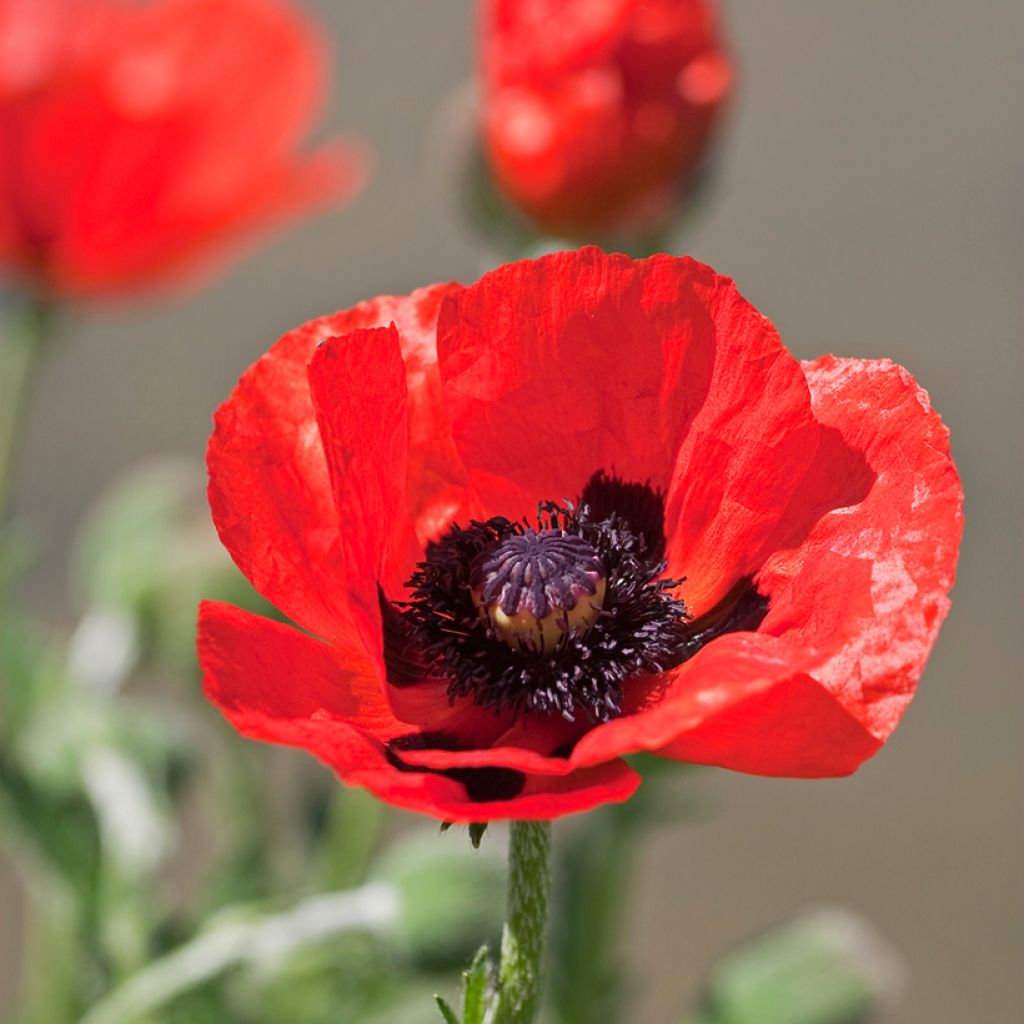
<point>868,201</point>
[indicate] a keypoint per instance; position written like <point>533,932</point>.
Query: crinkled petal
<point>360,397</point>
<point>856,601</point>
<point>868,584</point>
<point>581,361</point>
<point>745,702</point>
<point>270,491</point>
<point>744,457</point>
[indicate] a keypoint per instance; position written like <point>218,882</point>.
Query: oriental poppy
<point>136,139</point>
<point>596,115</point>
<point>584,507</point>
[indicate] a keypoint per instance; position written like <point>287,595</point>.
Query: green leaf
<point>476,833</point>
<point>446,1011</point>
<point>827,966</point>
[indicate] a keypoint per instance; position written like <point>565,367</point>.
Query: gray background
<point>869,204</point>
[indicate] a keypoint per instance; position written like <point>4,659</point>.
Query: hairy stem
<point>23,333</point>
<point>522,942</point>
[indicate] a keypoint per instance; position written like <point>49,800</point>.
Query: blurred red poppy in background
<point>585,507</point>
<point>137,138</point>
<point>597,112</point>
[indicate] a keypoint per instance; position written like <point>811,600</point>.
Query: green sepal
<point>476,831</point>
<point>478,984</point>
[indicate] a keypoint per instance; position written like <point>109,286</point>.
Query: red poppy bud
<point>596,113</point>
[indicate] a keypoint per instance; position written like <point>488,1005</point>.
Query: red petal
<point>437,488</point>
<point>527,746</point>
<point>656,371</point>
<point>856,603</point>
<point>275,683</point>
<point>558,367</point>
<point>744,457</point>
<point>278,685</point>
<point>270,495</point>
<point>546,797</point>
<point>270,492</point>
<point>359,394</point>
<point>745,702</point>
<point>426,706</point>
<point>868,585</point>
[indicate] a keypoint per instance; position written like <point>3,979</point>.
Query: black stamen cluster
<point>642,627</point>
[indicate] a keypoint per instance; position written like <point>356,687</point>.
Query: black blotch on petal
<point>482,785</point>
<point>436,740</point>
<point>486,784</point>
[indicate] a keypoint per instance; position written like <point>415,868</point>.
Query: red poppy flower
<point>136,138</point>
<point>596,112</point>
<point>585,507</point>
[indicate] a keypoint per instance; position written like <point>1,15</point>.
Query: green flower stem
<point>24,333</point>
<point>522,942</point>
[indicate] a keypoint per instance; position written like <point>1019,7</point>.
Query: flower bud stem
<point>522,941</point>
<point>23,333</point>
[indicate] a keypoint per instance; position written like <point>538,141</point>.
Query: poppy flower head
<point>596,113</point>
<point>727,558</point>
<point>138,139</point>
